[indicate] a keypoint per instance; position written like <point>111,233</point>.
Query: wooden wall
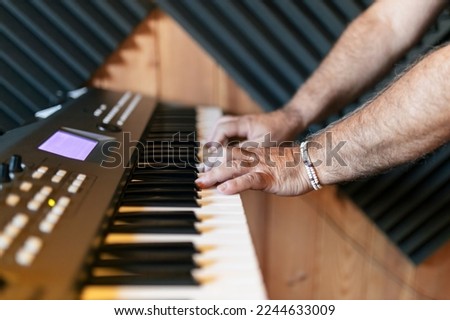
<point>318,246</point>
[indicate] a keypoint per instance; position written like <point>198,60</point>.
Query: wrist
<point>293,119</point>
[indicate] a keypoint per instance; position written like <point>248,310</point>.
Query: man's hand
<point>274,170</point>
<point>282,125</point>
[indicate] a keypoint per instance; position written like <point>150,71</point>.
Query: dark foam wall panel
<point>49,47</point>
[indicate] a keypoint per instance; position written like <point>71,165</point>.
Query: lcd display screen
<point>69,145</point>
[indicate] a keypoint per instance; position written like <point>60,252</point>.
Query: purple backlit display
<point>68,145</point>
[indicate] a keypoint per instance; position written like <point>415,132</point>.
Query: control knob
<point>15,164</point>
<point>4,173</point>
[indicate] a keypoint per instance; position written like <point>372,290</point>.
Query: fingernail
<point>222,187</point>
<point>200,183</point>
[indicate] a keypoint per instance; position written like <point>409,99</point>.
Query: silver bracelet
<point>310,170</point>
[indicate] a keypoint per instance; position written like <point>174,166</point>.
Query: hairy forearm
<point>366,51</point>
<point>406,121</point>
<point>409,119</point>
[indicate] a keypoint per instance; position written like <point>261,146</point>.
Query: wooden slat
<point>292,233</point>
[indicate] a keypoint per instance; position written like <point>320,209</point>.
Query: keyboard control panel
<point>60,178</point>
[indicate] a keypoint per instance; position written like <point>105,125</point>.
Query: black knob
<point>108,127</point>
<point>15,163</point>
<point>4,173</point>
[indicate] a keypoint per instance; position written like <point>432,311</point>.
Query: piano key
<point>147,257</point>
<point>138,183</point>
<point>163,192</point>
<point>167,226</point>
<point>177,263</point>
<point>165,173</point>
<point>142,250</point>
<point>169,143</point>
<point>226,238</point>
<point>222,217</point>
<point>161,268</point>
<point>165,279</point>
<point>185,165</point>
<point>224,254</point>
<point>167,135</point>
<point>249,286</point>
<point>161,215</point>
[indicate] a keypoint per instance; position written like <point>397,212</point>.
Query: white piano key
<point>216,217</point>
<point>208,208</point>
<point>209,204</point>
<point>220,237</point>
<point>227,288</point>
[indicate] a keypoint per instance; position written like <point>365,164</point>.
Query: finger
<point>226,171</point>
<point>230,127</point>
<point>252,180</point>
<point>214,156</point>
<point>217,124</point>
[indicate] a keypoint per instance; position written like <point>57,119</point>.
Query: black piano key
<point>162,159</point>
<point>191,160</point>
<point>161,139</point>
<point>161,181</point>
<point>165,107</point>
<point>167,138</point>
<point>156,226</point>
<point>153,258</point>
<point>166,173</point>
<point>171,151</point>
<point>174,129</point>
<point>176,115</point>
<point>162,118</point>
<point>168,143</point>
<point>158,215</point>
<point>164,176</point>
<point>175,153</point>
<point>178,134</point>
<point>164,183</point>
<point>140,249</point>
<point>169,119</point>
<point>173,166</point>
<point>176,112</point>
<point>144,266</point>
<point>157,278</point>
<point>156,198</point>
<point>162,192</point>
<point>155,175</point>
<point>172,144</point>
<point>180,203</point>
<point>169,172</point>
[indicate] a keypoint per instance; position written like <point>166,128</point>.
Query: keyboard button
<point>12,200</point>
<point>24,258</point>
<point>25,186</point>
<point>46,226</point>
